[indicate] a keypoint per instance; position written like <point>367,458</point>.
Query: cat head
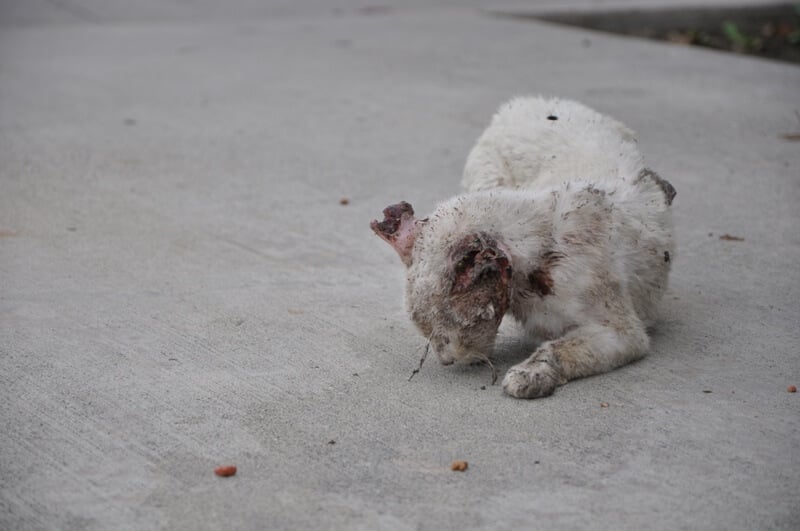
<point>458,278</point>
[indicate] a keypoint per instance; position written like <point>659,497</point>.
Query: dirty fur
<point>562,227</point>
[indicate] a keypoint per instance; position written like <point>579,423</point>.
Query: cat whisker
<point>483,358</point>
<point>488,362</point>
<point>421,360</point>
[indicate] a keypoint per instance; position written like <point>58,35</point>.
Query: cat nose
<point>446,357</point>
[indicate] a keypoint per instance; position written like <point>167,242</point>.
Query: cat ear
<point>399,229</point>
<point>479,261</point>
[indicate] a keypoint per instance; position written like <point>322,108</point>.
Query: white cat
<point>562,226</point>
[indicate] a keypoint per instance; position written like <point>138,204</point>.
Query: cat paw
<point>531,380</point>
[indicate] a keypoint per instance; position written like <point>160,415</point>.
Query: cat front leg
<point>589,349</point>
<point>535,377</point>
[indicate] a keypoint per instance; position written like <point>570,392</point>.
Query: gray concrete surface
<point>180,287</point>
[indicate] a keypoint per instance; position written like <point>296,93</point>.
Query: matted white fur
<point>540,142</point>
<point>562,227</point>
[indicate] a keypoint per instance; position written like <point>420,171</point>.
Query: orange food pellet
<point>459,466</point>
<point>225,471</point>
<point>791,389</point>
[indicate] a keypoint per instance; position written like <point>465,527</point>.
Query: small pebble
<point>344,201</point>
<point>225,471</point>
<point>603,404</point>
<point>459,466</point>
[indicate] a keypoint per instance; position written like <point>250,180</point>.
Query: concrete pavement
<point>180,286</point>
